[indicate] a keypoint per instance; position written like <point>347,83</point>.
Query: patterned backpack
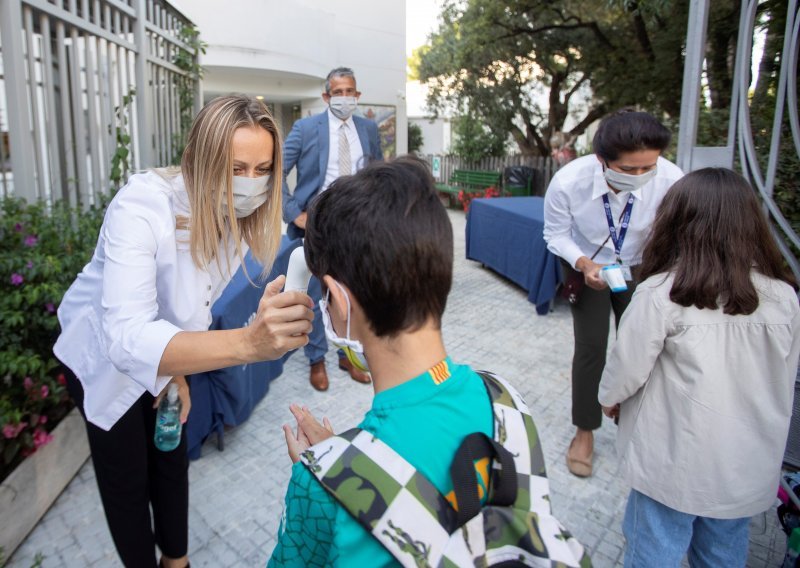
<point>421,527</point>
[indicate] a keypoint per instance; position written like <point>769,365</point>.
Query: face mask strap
<point>347,300</point>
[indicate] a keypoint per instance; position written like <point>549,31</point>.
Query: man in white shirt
<point>322,148</point>
<point>598,211</point>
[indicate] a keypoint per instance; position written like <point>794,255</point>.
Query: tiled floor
<point>237,494</point>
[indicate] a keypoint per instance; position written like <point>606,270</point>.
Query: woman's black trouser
<point>590,322</point>
<point>133,475</point>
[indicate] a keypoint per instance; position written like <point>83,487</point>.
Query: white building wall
<point>436,134</point>
<point>283,50</point>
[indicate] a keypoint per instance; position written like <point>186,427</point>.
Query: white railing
<point>70,69</point>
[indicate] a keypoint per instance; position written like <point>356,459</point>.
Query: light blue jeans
<point>658,536</point>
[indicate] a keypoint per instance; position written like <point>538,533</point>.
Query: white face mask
<point>342,107</point>
<point>248,195</point>
<point>627,182</point>
<point>352,348</point>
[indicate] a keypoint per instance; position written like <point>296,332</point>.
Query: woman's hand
<point>591,273</point>
<point>183,395</point>
<point>300,221</point>
<point>282,322</point>
<point>309,432</point>
<point>611,411</point>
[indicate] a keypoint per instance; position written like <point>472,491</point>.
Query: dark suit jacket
<point>307,148</point>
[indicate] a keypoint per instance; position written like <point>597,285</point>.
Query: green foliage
<point>186,60</point>
<point>120,161</point>
<point>415,139</point>
<point>474,141</point>
<point>526,66</point>
<point>40,255</point>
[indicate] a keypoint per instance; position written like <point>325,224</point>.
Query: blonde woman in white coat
<point>702,376</point>
<point>137,316</point>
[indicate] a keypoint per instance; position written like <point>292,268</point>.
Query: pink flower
<point>27,383</point>
<point>31,240</point>
<point>29,264</point>
<point>43,419</point>
<point>41,438</point>
<point>18,227</point>
<point>45,390</point>
<point>17,279</point>
<point>50,307</point>
<point>13,430</point>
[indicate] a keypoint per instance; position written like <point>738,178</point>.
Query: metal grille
<point>67,68</point>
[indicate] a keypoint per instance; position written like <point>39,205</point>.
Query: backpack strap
<point>515,430</point>
<point>385,494</point>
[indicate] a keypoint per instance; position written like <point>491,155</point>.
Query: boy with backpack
<point>445,468</point>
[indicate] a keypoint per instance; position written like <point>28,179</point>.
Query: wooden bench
<point>468,181</point>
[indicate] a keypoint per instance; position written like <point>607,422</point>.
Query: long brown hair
<point>207,168</point>
<point>710,232</point>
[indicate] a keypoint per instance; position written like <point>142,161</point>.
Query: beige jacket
<point>706,398</point>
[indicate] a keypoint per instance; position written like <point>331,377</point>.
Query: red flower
<point>13,430</point>
<point>61,379</point>
<point>41,438</point>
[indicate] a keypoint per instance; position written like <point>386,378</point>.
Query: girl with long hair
<point>137,316</point>
<point>702,376</point>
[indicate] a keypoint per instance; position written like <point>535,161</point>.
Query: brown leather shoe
<point>319,376</point>
<point>355,374</point>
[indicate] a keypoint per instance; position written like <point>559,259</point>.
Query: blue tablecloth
<point>227,396</point>
<point>505,234</point>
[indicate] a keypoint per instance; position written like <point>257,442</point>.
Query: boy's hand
<point>309,432</point>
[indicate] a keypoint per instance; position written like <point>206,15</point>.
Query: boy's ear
<point>338,302</point>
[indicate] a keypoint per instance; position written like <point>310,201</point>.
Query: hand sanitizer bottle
<point>168,421</point>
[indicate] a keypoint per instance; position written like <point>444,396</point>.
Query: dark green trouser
<point>590,318</point>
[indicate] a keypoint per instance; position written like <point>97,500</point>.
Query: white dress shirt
<point>140,289</point>
<point>356,151</point>
<point>575,223</point>
<point>706,398</point>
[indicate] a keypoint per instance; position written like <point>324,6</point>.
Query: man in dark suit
<point>322,148</point>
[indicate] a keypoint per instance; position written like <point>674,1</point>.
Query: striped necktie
<point>345,167</point>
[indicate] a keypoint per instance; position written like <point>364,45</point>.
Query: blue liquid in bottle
<point>168,421</point>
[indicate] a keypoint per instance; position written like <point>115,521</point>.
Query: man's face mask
<point>627,182</point>
<point>352,348</point>
<point>248,195</point>
<point>342,107</point>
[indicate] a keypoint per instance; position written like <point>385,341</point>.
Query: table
<point>505,234</point>
<point>227,397</point>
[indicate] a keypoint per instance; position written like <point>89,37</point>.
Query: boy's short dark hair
<point>627,130</point>
<point>385,234</point>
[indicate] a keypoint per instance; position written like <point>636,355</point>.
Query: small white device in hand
<point>613,276</point>
<point>297,274</point>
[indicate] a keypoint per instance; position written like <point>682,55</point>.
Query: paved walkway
<point>236,495</point>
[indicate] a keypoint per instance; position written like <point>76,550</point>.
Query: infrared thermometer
<point>298,274</point>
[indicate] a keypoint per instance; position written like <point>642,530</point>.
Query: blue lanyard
<point>626,217</point>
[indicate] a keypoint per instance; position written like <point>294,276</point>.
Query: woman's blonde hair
<point>207,168</point>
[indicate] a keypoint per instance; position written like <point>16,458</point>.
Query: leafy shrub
<point>41,252</point>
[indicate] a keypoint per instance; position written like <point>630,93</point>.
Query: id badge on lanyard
<point>619,239</point>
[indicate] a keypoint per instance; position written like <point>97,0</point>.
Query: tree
<point>525,66</point>
<point>473,140</point>
<point>415,139</point>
